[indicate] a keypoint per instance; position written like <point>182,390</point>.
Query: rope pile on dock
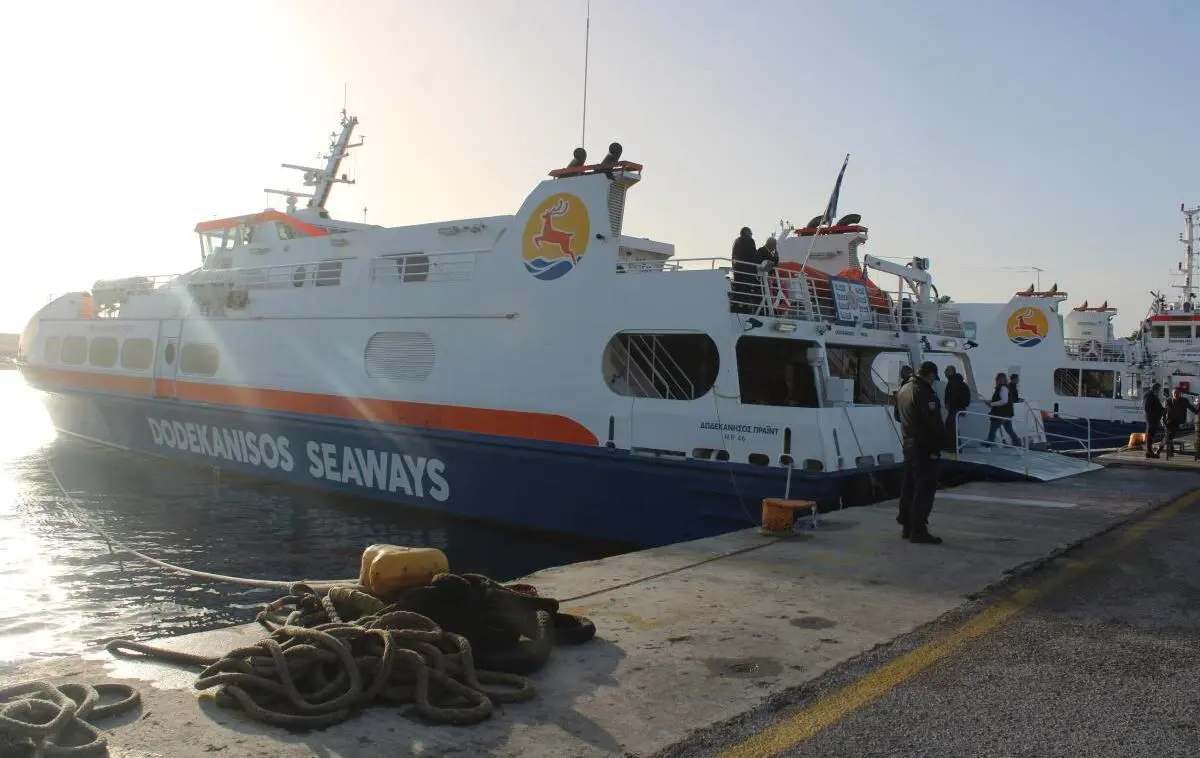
<point>41,720</point>
<point>328,656</point>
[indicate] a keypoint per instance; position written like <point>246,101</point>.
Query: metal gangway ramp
<point>977,455</point>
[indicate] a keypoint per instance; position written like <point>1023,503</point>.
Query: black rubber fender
<point>524,657</point>
<point>572,630</point>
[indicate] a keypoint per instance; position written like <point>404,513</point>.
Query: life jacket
<point>1004,411</point>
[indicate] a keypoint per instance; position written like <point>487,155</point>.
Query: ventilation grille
<point>616,207</point>
<point>399,356</point>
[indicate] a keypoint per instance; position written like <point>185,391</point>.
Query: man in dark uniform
<point>921,434</point>
<point>1152,408</point>
<point>1174,417</point>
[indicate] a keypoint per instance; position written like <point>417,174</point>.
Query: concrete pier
<point>690,635</point>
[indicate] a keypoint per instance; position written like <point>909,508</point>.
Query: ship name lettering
<point>239,445</point>
<point>415,476</point>
<point>740,428</point>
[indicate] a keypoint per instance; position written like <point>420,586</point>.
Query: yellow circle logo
<point>1027,326</point>
<point>556,236</point>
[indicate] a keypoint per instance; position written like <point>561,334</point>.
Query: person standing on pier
<point>1152,407</point>
<point>1174,417</point>
<point>922,433</point>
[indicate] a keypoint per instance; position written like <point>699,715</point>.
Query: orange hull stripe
<point>543,427</point>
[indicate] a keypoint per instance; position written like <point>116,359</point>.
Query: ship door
<point>166,364</point>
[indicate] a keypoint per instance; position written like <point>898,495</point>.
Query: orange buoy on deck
<point>779,515</point>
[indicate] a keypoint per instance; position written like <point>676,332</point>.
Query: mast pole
<point>1189,239</point>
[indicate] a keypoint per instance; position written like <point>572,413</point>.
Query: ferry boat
<point>1071,367</point>
<point>1168,339</point>
<point>541,369</point>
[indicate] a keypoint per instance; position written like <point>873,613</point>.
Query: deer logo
<point>551,236</point>
<point>556,236</point>
<point>1027,327</point>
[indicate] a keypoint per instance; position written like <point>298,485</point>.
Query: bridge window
<point>1066,382</point>
<point>1179,331</point>
<point>775,371</point>
<point>1160,332</point>
<point>53,349</point>
<point>329,274</point>
<point>198,358</point>
<point>103,352</point>
<point>664,366</point>
<point>284,231</point>
<point>137,353</point>
<point>74,351</point>
<point>1098,384</point>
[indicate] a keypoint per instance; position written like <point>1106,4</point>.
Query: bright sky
<point>988,137</point>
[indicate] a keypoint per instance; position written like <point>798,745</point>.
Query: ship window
<point>1179,331</point>
<point>329,274</point>
<point>1066,382</point>
<point>1098,384</point>
<point>412,268</point>
<point>53,349</point>
<point>664,366</point>
<point>285,231</point>
<point>103,352</point>
<point>870,368</point>
<point>74,351</point>
<point>399,356</point>
<point>137,353</point>
<point>1160,332</point>
<point>775,371</point>
<point>197,358</point>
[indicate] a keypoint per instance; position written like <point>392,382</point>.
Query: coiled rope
<point>41,720</point>
<point>332,655</point>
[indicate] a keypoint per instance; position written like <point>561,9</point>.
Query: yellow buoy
<point>388,568</point>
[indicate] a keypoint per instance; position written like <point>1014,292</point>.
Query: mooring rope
<point>78,511</point>
<point>42,720</point>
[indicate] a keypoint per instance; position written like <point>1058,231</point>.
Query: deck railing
<point>1107,351</point>
<point>759,289</point>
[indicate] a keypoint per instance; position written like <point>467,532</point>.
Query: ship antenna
<point>587,38</point>
<point>1189,215</point>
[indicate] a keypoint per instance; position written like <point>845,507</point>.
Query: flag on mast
<point>831,208</point>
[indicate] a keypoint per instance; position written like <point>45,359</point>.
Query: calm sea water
<point>62,590</point>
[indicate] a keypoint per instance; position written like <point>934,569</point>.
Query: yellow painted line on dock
<point>834,707</point>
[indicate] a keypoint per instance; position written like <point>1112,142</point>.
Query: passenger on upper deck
<point>768,252</point>
<point>747,293</point>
